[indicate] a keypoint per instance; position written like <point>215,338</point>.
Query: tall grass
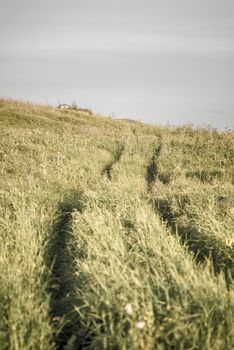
<point>103,225</point>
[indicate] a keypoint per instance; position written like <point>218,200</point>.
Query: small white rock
<point>128,308</point>
<point>140,324</point>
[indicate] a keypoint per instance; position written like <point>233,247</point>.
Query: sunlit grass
<point>113,235</point>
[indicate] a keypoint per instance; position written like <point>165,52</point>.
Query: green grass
<point>113,235</point>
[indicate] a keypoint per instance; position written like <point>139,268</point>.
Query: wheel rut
<point>60,261</point>
<point>152,168</point>
<point>202,246</point>
<point>117,154</point>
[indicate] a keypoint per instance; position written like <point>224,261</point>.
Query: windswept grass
<point>113,235</point>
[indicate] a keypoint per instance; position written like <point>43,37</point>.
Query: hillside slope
<point>113,235</point>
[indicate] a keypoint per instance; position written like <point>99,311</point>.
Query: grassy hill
<point>113,235</point>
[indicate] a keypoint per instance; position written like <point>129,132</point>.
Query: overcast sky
<point>157,61</point>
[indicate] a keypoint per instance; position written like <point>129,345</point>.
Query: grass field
<point>114,235</point>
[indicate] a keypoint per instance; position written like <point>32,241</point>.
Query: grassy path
<point>60,260</point>
<point>127,260</point>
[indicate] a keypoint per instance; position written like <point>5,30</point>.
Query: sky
<point>158,61</point>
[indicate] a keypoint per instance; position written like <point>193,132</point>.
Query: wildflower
<point>140,324</point>
<point>128,308</point>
